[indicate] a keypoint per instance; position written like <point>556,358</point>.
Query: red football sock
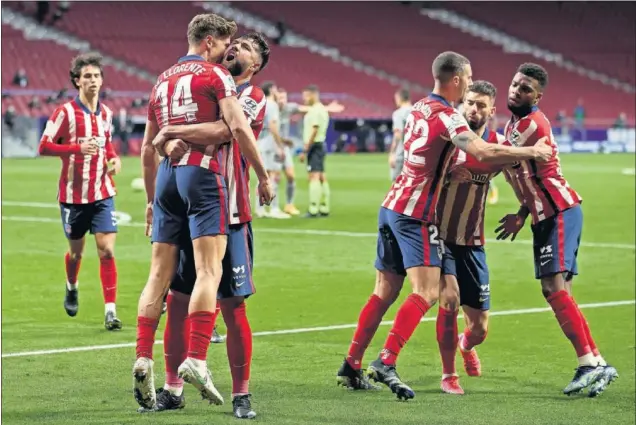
<point>239,346</point>
<point>471,340</point>
<point>108,275</point>
<point>175,336</point>
<point>146,328</point>
<point>588,333</point>
<point>72,268</point>
<point>570,319</point>
<point>368,322</point>
<point>406,320</point>
<point>447,338</point>
<point>201,327</point>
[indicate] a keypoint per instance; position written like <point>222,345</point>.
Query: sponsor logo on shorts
<point>239,276</point>
<point>545,255</point>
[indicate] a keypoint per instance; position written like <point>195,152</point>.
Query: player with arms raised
<point>557,222</point>
<point>79,132</point>
<point>408,239</point>
<point>465,278</point>
<point>190,193</point>
<point>247,56</point>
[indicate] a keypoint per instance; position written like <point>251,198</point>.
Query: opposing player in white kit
<point>272,150</point>
<point>396,152</point>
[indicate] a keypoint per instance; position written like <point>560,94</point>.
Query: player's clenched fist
<point>89,148</point>
<point>543,151</point>
<point>175,148</point>
<point>265,192</point>
<point>114,166</point>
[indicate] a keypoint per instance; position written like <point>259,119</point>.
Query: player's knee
<point>75,256</point>
<point>105,253</point>
<point>449,300</point>
<point>430,295</point>
<point>551,285</point>
<point>210,273</point>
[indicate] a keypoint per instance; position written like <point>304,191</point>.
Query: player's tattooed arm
<point>499,154</point>
<point>203,134</point>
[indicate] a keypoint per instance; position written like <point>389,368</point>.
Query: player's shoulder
<point>255,92</point>
<point>65,109</point>
<point>538,121</point>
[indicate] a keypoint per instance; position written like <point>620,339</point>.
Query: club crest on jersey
<point>100,140</point>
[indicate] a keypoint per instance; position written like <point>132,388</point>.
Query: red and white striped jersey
<point>234,166</point>
<point>461,208</point>
<point>541,185</point>
<point>84,178</point>
<point>189,93</point>
<point>427,155</point>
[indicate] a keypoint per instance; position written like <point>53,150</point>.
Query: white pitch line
<point>321,232</point>
<point>306,330</point>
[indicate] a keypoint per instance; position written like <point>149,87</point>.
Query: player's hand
<point>212,150</point>
<point>175,148</point>
<point>543,151</point>
<point>280,153</point>
<point>265,192</point>
<point>114,166</point>
<point>392,160</point>
<point>89,148</point>
<point>511,225</point>
<point>461,175</point>
<point>149,219</point>
<point>160,141</point>
<point>301,157</point>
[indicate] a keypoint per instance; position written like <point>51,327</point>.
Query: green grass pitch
<point>311,279</point>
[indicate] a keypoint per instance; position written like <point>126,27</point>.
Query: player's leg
<point>205,195</point>
<point>325,199</point>
<point>315,185</point>
<point>446,324</point>
<point>389,280</point>
<point>274,172</point>
<point>290,176</point>
<point>75,222</point>
<point>217,338</point>
<point>554,254</point>
<point>168,220</point>
<point>474,293</point>
<point>237,284</point>
<point>104,227</point>
<point>493,193</point>
<point>422,251</point>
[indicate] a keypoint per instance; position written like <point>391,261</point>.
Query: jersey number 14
<point>181,105</point>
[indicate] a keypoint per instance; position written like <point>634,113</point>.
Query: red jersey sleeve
<point>54,141</point>
<point>453,123</point>
<point>222,83</point>
<point>476,167</point>
<point>254,106</point>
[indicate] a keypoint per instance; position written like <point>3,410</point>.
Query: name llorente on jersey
<point>191,67</point>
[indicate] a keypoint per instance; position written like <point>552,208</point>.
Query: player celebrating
<point>79,132</point>
<point>396,151</point>
<point>315,125</point>
<point>272,149</point>
<point>191,194</point>
<point>246,56</point>
<point>460,211</point>
<point>557,221</point>
<point>408,241</point>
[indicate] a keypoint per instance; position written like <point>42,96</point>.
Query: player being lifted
<point>557,222</point>
<point>315,125</point>
<point>79,132</point>
<point>396,151</point>
<point>190,193</point>
<point>408,239</point>
<point>465,278</point>
<point>272,149</point>
<point>246,56</point>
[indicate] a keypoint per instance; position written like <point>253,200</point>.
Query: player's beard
<point>236,68</point>
<point>521,110</point>
<point>476,125</point>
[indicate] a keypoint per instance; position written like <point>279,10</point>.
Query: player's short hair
<point>484,87</point>
<point>206,24</point>
<point>447,65</point>
<point>404,94</point>
<point>535,71</point>
<point>81,61</point>
<point>312,88</point>
<point>263,47</point>
<point>267,87</point>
